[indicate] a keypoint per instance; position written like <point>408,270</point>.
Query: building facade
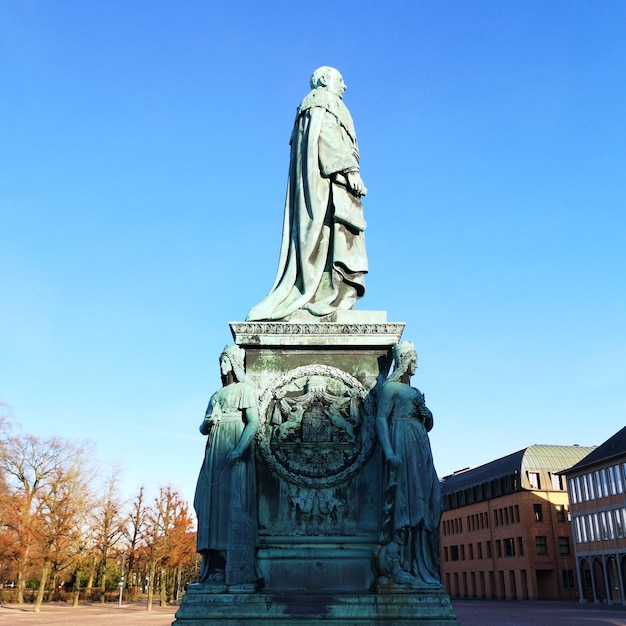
<point>597,486</point>
<point>505,530</point>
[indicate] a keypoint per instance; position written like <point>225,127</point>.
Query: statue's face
<point>225,365</point>
<point>412,364</point>
<point>336,84</point>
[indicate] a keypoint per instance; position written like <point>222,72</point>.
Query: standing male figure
<point>322,259</point>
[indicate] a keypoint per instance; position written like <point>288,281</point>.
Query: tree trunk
<point>178,578</point>
<point>21,578</point>
<point>103,588</point>
<point>92,573</point>
<point>52,583</point>
<point>163,587</point>
<point>42,585</point>
<point>20,586</point>
<point>76,593</point>
<point>151,583</point>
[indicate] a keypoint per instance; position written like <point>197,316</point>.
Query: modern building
<point>505,530</point>
<point>597,486</point>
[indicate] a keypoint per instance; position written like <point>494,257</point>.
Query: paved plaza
<point>469,612</point>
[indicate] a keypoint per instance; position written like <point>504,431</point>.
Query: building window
<point>534,480</point>
<point>454,553</point>
<point>538,512</point>
<point>517,513</point>
<point>613,488</point>
<point>568,578</point>
<point>596,527</point>
<point>471,551</point>
<point>584,494</point>
<point>509,547</point>
<point>564,545</point>
<point>480,550</point>
<point>542,545</point>
<point>560,513</point>
<point>592,492</point>
<point>489,551</point>
<point>584,529</point>
<point>498,548</point>
<point>605,486</point>
<point>603,526</point>
<point>577,535</point>
<point>462,553</point>
<point>520,546</point>
<point>619,526</point>
<point>445,553</point>
<point>557,481</point>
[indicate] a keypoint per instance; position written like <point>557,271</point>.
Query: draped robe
<point>322,259</point>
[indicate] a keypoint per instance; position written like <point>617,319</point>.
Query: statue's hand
<point>233,456</point>
<point>355,184</point>
<point>393,459</point>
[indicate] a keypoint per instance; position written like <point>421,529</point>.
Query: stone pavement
<point>469,612</point>
<point>537,613</point>
<point>62,614</point>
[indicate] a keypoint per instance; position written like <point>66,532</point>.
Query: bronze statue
<point>322,259</point>
<point>225,499</point>
<point>413,504</point>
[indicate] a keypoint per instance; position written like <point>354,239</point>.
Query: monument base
<point>426,608</point>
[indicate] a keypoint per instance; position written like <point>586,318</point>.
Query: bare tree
<point>135,535</point>
<point>61,501</point>
<point>108,527</point>
<point>170,524</point>
<point>30,465</point>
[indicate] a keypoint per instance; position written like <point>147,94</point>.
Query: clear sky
<point>143,162</point>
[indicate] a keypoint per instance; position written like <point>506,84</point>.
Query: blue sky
<point>143,162</point>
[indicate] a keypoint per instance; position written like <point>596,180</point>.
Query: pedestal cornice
<point>286,334</point>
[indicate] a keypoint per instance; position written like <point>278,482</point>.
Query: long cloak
<point>322,260</point>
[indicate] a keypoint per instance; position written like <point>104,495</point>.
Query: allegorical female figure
<point>410,554</point>
<point>225,499</point>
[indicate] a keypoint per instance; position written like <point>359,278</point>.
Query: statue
<point>225,499</point>
<point>413,503</point>
<point>322,259</point>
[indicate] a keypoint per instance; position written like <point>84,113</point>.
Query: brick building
<point>505,531</point>
<point>597,486</point>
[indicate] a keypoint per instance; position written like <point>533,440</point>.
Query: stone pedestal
<point>331,609</point>
<point>319,480</point>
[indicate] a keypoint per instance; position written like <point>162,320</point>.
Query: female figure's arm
<point>385,407</point>
<point>251,415</point>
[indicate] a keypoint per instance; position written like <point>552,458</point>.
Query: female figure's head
<point>405,360</point>
<point>232,362</point>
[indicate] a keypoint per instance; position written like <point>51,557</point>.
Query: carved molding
<point>322,328</point>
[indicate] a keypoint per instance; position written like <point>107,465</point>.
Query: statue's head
<point>329,78</point>
<point>232,359</point>
<point>405,359</point>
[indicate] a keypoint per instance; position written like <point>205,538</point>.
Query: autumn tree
<point>61,501</point>
<point>170,544</point>
<point>135,536</point>
<point>108,522</point>
<point>34,469</point>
